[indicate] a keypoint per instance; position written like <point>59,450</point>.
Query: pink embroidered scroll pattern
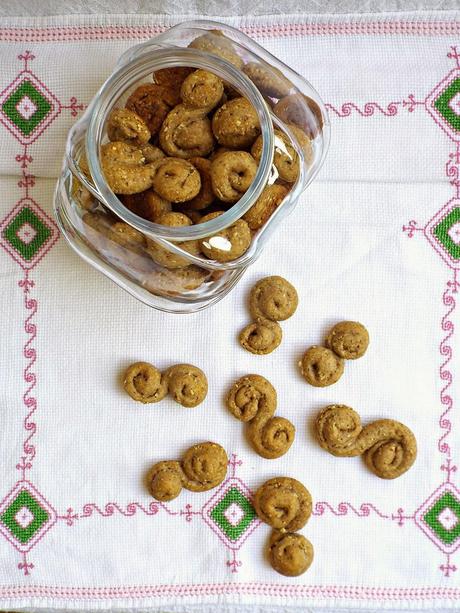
<point>27,233</point>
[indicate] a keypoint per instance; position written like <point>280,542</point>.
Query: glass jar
<point>119,242</point>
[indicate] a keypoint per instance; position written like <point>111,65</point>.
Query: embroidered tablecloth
<point>375,239</point>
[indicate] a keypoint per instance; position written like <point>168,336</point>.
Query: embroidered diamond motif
<point>27,233</point>
<point>25,516</point>
<point>454,103</point>
<point>443,232</point>
<point>234,514</point>
<point>439,518</point>
<point>446,101</point>
<point>27,107</point>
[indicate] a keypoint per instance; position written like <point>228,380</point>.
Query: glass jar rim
<point>138,68</point>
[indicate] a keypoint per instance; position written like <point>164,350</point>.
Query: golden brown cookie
<point>205,196</point>
<point>236,124</point>
<point>285,156</point>
<point>265,205</point>
<point>228,244</point>
<point>148,205</point>
<point>302,111</point>
<point>348,339</point>
<point>232,173</point>
<point>283,503</point>
<point>127,126</point>
<point>202,90</point>
<point>270,82</point>
<point>152,103</point>
<point>176,180</point>
<point>151,152</point>
<point>126,236</point>
<point>174,282</point>
<point>163,256</point>
<point>389,448</point>
<point>273,298</point>
<point>165,480</point>
<point>186,133</point>
<point>187,384</point>
<point>171,79</point>
<point>205,466</point>
<point>216,43</point>
<point>290,554</point>
<point>261,337</point>
<point>252,399</point>
<point>144,383</point>
<point>321,367</point>
<point>125,168</point>
<point>202,467</point>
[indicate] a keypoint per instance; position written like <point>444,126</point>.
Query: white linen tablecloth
<point>375,239</point>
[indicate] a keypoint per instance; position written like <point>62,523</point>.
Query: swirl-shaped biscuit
<point>171,79</point>
<point>127,236</point>
<point>252,399</point>
<point>228,244</point>
<point>273,298</point>
<point>301,111</point>
<point>270,82</point>
<point>205,196</point>
<point>175,281</point>
<point>163,256</point>
<point>187,384</point>
<point>186,133</point>
<point>216,43</point>
<point>144,383</point>
<point>125,168</point>
<point>283,503</point>
<point>176,179</point>
<point>232,172</point>
<point>261,336</point>
<point>265,205</point>
<point>152,103</point>
<point>236,124</point>
<point>285,156</point>
<point>202,467</point>
<point>348,339</point>
<point>290,554</point>
<point>389,447</point>
<point>127,126</point>
<point>321,367</point>
<point>202,90</point>
<point>148,205</point>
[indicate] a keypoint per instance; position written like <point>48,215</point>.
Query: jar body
<point>174,269</point>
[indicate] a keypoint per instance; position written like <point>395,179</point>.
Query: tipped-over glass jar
<point>187,159</point>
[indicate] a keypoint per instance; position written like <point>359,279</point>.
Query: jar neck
<point>132,73</point>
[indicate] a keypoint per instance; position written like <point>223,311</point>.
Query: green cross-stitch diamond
<point>25,123</point>
<point>38,516</point>
<point>444,104</point>
<point>233,497</point>
<point>12,233</point>
<point>447,501</point>
<point>448,233</point>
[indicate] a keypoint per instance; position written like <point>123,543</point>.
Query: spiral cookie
<point>202,90</point>
<point>165,257</point>
<point>144,383</point>
<point>348,339</point>
<point>171,79</point>
<point>290,554</point>
<point>236,124</point>
<point>252,399</point>
<point>127,126</point>
<point>176,180</point>
<point>321,367</point>
<point>261,337</point>
<point>273,298</point>
<point>283,503</point>
<point>217,43</point>
<point>148,205</point>
<point>205,196</point>
<point>285,157</point>
<point>389,447</point>
<point>232,172</point>
<point>265,205</point>
<point>202,467</point>
<point>186,132</point>
<point>228,244</point>
<point>152,103</point>
<point>270,81</point>
<point>187,384</point>
<point>125,168</point>
<point>301,111</point>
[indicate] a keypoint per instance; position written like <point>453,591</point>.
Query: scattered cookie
<point>389,448</point>
<point>283,503</point>
<point>236,124</point>
<point>144,383</point>
<point>348,339</point>
<point>252,399</point>
<point>232,172</point>
<point>203,467</point>
<point>187,384</point>
<point>186,133</point>
<point>202,90</point>
<point>273,298</point>
<point>261,337</point>
<point>290,554</point>
<point>228,244</point>
<point>321,367</point>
